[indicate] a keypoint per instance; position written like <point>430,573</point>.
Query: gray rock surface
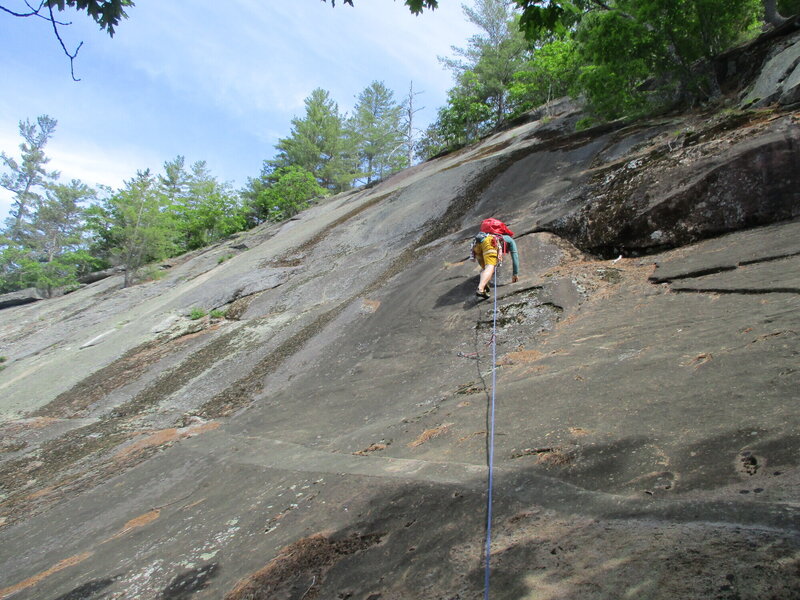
<point>100,275</point>
<point>686,185</point>
<point>25,296</point>
<point>729,252</point>
<point>779,80</point>
<point>328,439</point>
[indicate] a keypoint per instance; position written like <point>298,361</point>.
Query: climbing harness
<point>497,242</point>
<point>491,444</point>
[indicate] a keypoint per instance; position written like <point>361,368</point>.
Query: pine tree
<point>57,225</point>
<point>139,225</point>
<point>377,131</point>
<point>28,176</point>
<point>491,56</point>
<point>211,209</point>
<point>320,144</point>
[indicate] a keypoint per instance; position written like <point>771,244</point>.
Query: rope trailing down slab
<point>491,444</point>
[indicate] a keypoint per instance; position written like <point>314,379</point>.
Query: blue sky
<point>210,80</point>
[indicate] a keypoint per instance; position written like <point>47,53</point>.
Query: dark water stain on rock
<point>88,590</point>
<point>189,582</point>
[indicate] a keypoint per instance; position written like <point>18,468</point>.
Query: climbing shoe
<point>482,294</point>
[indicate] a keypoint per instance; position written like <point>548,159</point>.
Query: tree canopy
<point>377,131</point>
<point>624,57</point>
<point>27,177</point>
<point>106,13</point>
<point>280,193</point>
<point>319,143</point>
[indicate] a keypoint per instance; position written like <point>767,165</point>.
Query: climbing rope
<point>491,443</point>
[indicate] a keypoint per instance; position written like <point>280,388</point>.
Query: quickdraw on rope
<point>491,444</point>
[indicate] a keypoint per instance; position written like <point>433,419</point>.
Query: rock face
<point>690,184</point>
<point>779,80</point>
<point>25,296</point>
<point>328,438</point>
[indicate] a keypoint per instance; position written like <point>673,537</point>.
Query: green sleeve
<point>514,254</point>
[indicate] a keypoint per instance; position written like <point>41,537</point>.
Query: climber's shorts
<point>485,252</point>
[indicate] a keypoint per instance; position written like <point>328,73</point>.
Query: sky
<point>209,80</point>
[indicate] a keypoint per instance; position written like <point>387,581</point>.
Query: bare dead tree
<point>409,122</point>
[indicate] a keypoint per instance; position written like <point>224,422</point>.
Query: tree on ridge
<point>377,132</point>
<point>28,176</point>
<point>320,144</point>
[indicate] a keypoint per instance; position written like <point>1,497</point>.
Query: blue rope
<point>491,443</point>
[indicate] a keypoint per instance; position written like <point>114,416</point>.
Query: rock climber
<point>488,248</point>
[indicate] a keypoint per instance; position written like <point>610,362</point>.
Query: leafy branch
<point>415,6</point>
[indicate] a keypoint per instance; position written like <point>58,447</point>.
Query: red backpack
<point>497,228</point>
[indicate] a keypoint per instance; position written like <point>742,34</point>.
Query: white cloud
<point>249,56</point>
<point>81,159</point>
<point>95,165</point>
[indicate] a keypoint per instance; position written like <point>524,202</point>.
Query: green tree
<point>16,267</point>
<point>174,182</point>
<point>106,13</point>
<point>43,245</point>
<point>320,144</point>
<point>552,72</point>
<point>634,41</point>
<point>206,210</point>
<point>57,226</point>
<point>376,127</point>
<point>639,55</point>
<point>209,210</point>
<point>559,15</point>
<point>431,143</point>
<point>617,55</point>
<point>467,116</point>
<point>136,224</point>
<point>99,228</point>
<point>542,18</point>
<point>27,177</point>
<point>53,253</point>
<point>464,119</point>
<point>484,71</point>
<point>280,193</point>
<point>491,56</point>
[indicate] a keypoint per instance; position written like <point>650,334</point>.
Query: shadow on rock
<point>464,290</point>
<point>642,465</point>
<point>88,590</point>
<point>186,584</point>
<point>723,459</point>
<point>427,540</point>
